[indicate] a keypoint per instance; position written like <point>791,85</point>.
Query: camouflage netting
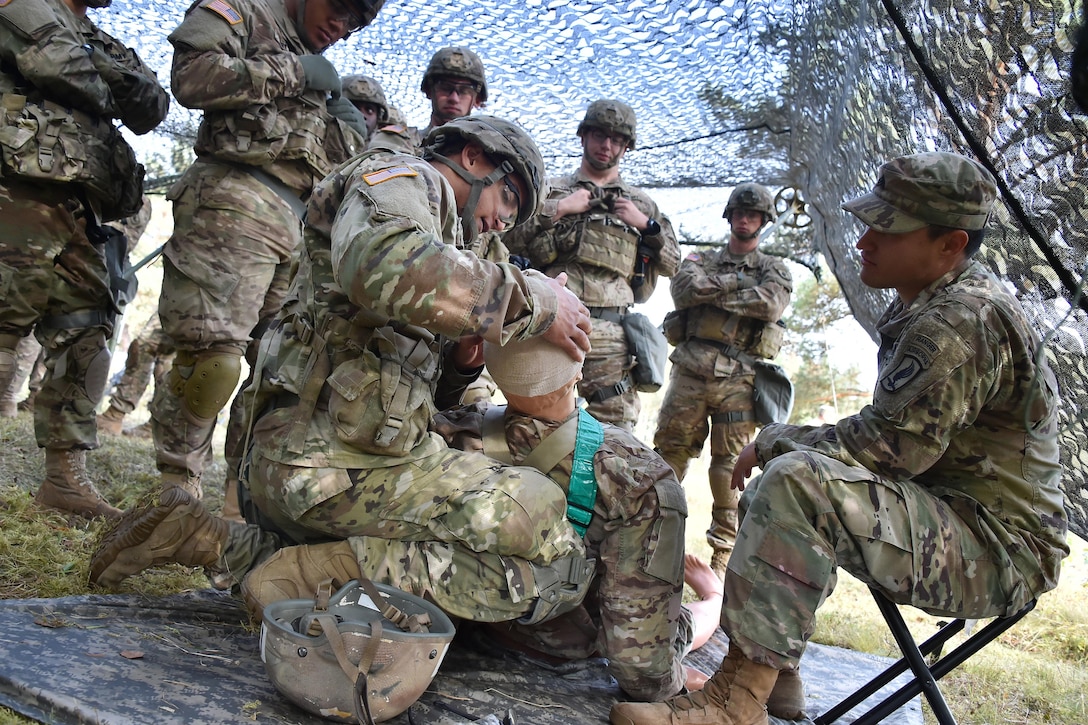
<point>812,95</point>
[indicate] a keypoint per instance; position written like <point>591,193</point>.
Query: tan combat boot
<point>143,430</point>
<point>294,572</point>
<point>111,421</point>
<point>231,511</point>
<point>735,695</point>
<point>189,484</point>
<point>175,528</point>
<point>67,486</point>
<point>719,561</point>
<point>787,699</point>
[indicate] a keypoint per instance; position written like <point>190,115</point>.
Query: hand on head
<point>570,330</point>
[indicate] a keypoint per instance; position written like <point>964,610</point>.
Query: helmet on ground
<point>756,197</point>
<point>456,62</point>
<point>503,141</point>
<point>611,116</point>
<point>341,658</point>
<point>364,89</point>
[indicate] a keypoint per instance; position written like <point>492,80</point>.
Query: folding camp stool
<point>914,659</point>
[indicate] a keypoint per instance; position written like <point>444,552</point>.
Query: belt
<point>611,314</point>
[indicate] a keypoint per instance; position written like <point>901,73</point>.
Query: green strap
<point>583,482</point>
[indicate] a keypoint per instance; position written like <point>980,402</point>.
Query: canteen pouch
<point>651,351</point>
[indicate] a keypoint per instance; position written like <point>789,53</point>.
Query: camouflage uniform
<point>150,353</point>
<point>935,494</point>
<point>264,140</point>
<point>27,368</point>
<point>347,381</point>
<point>726,303</point>
<point>61,75</point>
<point>597,251</point>
<point>632,614</point>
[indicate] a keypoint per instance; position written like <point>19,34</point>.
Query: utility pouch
<point>651,352</point>
<point>382,399</point>
<point>769,340</point>
<point>772,401</point>
<point>675,326</point>
<point>123,282</point>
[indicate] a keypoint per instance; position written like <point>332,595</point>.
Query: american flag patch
<point>221,8</point>
<point>376,177</point>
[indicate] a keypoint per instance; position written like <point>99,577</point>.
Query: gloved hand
<point>321,75</point>
<point>343,109</point>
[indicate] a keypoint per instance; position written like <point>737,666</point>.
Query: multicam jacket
<point>636,535</point>
<point>239,63</point>
<point>962,408</point>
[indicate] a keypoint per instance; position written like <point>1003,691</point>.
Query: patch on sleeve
<point>916,358</point>
<point>394,128</point>
<point>693,257</point>
<point>377,177</point>
<point>224,10</point>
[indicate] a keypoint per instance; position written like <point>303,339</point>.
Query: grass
<point>1035,673</point>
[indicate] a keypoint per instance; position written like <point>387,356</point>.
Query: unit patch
<point>224,10</point>
<point>376,177</point>
<point>918,356</point>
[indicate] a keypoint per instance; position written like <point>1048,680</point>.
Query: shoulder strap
<point>493,433</point>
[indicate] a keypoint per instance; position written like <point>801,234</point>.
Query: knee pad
<point>82,370</point>
<point>204,381</point>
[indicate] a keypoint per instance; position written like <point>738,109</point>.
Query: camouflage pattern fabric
<point>53,280</point>
<point>27,363</point>
<point>709,391</point>
<point>380,265</point>
<point>943,494</point>
<point>565,246</point>
<point>632,615</point>
<point>150,353</point>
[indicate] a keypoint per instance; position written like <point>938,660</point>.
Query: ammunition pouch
<point>675,326</point>
<point>381,399</point>
<point>42,141</point>
<point>760,339</point>
<point>650,349</point>
<point>768,340</point>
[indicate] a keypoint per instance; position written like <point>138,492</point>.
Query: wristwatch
<point>652,228</point>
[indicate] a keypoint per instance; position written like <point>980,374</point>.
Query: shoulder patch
<point>693,257</point>
<point>5,3</point>
<point>224,10</point>
<point>377,177</point>
<point>393,128</point>
<point>917,357</point>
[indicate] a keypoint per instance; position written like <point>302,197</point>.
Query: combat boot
<point>231,511</point>
<point>67,486</point>
<point>719,561</point>
<point>111,421</point>
<point>294,572</point>
<point>143,430</point>
<point>175,528</point>
<point>26,405</point>
<point>787,699</point>
<point>189,484</point>
<point>735,695</point>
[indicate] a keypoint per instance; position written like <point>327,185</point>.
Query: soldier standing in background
<point>942,494</point>
<point>59,268</point>
<point>265,139</point>
<point>613,243</point>
<point>728,304</point>
<point>366,94</point>
<point>455,84</point>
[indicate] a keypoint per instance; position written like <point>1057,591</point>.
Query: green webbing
<point>582,491</point>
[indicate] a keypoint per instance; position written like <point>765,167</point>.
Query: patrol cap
<point>940,188</point>
<point>529,367</point>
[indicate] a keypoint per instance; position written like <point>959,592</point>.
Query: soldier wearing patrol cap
<point>274,124</point>
<point>384,323</point>
<point>728,302</point>
<point>942,494</point>
<point>613,242</point>
<point>66,170</point>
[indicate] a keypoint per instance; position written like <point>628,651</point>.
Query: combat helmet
<point>507,144</point>
<point>456,62</point>
<point>612,116</point>
<point>363,654</point>
<point>756,197</point>
<point>364,89</point>
<point>367,9</point>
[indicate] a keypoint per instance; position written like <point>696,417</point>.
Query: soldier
<point>27,362</point>
<point>63,76</point>
<point>367,95</point>
<point>150,353</point>
<point>274,124</point>
<point>613,243</point>
<point>728,304</point>
<point>943,494</point>
<point>383,320</point>
<point>455,84</point>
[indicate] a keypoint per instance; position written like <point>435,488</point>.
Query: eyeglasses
<point>600,136</point>
<point>344,13</point>
<point>448,88</point>
<point>511,197</point>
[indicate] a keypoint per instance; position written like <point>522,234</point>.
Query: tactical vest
<point>757,338</point>
<point>602,240</point>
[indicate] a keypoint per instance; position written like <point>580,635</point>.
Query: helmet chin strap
<point>604,165</point>
<point>477,185</point>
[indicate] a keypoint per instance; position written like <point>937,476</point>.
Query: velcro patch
<point>224,10</point>
<point>394,128</point>
<point>918,356</point>
<point>693,257</point>
<point>376,177</point>
<point>4,3</point>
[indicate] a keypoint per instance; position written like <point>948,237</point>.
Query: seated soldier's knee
<point>204,381</point>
